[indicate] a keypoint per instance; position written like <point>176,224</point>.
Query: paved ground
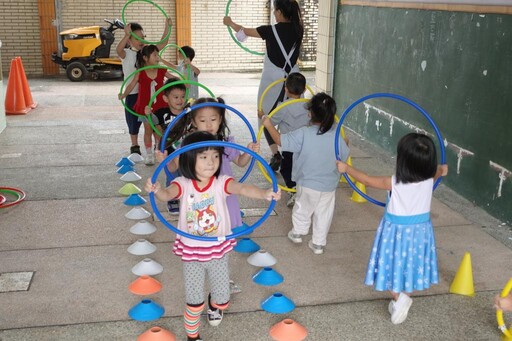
<point>72,233</point>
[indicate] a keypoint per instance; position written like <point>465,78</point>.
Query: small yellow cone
<point>463,282</point>
<point>349,162</point>
<point>356,196</point>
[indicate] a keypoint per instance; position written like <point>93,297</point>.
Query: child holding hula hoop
<point>314,170</point>
<point>148,82</point>
<point>403,257</point>
<point>283,41</point>
<point>127,51</point>
<point>204,212</point>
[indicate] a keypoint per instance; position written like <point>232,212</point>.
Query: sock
<point>149,150</point>
<point>213,306</point>
<point>192,318</point>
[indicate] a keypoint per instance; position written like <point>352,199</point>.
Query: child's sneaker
<point>291,201</point>
<point>150,159</point>
<point>135,149</point>
<point>275,161</point>
<point>234,288</point>
<point>401,308</point>
<point>173,207</point>
<point>295,238</point>
<point>215,317</point>
<point>317,249</point>
<point>391,307</point>
<point>197,338</point>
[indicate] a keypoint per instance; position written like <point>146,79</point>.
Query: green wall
<point>457,66</point>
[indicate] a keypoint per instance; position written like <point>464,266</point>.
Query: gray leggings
<point>194,274</point>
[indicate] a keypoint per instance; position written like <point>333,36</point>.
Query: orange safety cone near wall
<point>29,102</point>
<point>14,96</point>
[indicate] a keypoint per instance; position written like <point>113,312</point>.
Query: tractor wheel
<point>76,71</point>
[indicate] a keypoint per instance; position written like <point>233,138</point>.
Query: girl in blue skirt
<point>403,256</point>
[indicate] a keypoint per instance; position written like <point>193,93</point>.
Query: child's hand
<point>260,114</point>
<point>444,170</point>
<point>168,22</point>
<point>254,146</point>
<point>271,195</point>
<point>227,21</point>
<point>342,166</point>
<point>147,111</point>
<point>186,61</point>
<point>159,156</point>
<point>120,96</point>
<point>503,303</point>
<point>127,29</point>
<point>152,187</point>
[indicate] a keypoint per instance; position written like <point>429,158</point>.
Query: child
<point>213,120</point>
<point>204,212</point>
<point>403,256</point>
<point>149,81</point>
<point>290,118</point>
<point>194,71</point>
<point>314,170</point>
<point>127,51</point>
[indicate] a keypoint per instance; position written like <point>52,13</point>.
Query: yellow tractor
<point>86,50</point>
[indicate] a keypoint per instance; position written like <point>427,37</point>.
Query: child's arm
<point>122,43</point>
<point>380,182</point>
<point>162,194</point>
<point>130,87</point>
<point>267,123</point>
<point>243,159</point>
<point>194,68</point>
<point>250,32</point>
<point>172,165</point>
<point>169,64</point>
<point>442,170</point>
<point>503,303</point>
<point>252,191</point>
<point>168,23</point>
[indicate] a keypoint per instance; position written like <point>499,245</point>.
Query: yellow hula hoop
<point>499,313</point>
<point>260,131</point>
<point>260,104</point>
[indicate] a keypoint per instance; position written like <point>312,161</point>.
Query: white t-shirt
<point>128,63</point>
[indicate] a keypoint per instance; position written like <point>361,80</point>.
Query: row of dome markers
<point>145,285</point>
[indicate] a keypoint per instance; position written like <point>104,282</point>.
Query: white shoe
<point>295,238</point>
<point>401,308</point>
<point>150,159</point>
<point>317,249</point>
<point>291,201</point>
<point>391,307</point>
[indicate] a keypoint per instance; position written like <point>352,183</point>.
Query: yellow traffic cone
<point>463,282</point>
<point>343,180</point>
<point>356,196</point>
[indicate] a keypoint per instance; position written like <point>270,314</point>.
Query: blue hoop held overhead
<point>199,106</point>
<point>400,98</point>
<point>191,146</point>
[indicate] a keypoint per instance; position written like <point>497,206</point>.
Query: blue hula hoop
<point>182,150</point>
<point>202,105</point>
<point>400,98</point>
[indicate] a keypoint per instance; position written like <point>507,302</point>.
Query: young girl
<point>403,256</point>
<point>314,170</point>
<point>213,120</point>
<point>148,81</point>
<point>204,212</point>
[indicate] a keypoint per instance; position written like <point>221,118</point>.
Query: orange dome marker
<point>288,330</point>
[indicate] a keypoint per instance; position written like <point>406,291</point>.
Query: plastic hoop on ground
<point>499,313</point>
<point>186,148</point>
<point>199,106</point>
<point>2,199</point>
<point>13,191</point>
<point>138,38</point>
<point>400,98</point>
<point>184,57</point>
<point>236,40</point>
<point>271,85</point>
<point>184,81</point>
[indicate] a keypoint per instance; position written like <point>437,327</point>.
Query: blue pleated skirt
<point>403,256</point>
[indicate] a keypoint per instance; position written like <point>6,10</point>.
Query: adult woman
<point>282,41</point>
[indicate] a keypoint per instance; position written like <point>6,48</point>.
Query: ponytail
<point>323,109</point>
<point>291,11</point>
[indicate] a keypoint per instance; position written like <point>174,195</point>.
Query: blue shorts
<point>131,120</point>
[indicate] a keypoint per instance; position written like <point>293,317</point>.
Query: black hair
<point>416,158</point>
<point>146,51</point>
<point>187,161</point>
<point>295,83</point>
<point>291,11</point>
<point>135,27</point>
<point>189,52</point>
<point>175,86</point>
<point>322,108</point>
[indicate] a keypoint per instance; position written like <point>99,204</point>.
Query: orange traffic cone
<point>29,102</point>
<point>14,97</point>
<point>356,196</point>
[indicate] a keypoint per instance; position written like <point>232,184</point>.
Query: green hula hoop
<point>133,74</point>
<point>184,57</point>
<point>140,39</point>
<point>236,40</point>
<point>184,81</point>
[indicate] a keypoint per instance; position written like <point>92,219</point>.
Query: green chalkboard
<point>456,65</point>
